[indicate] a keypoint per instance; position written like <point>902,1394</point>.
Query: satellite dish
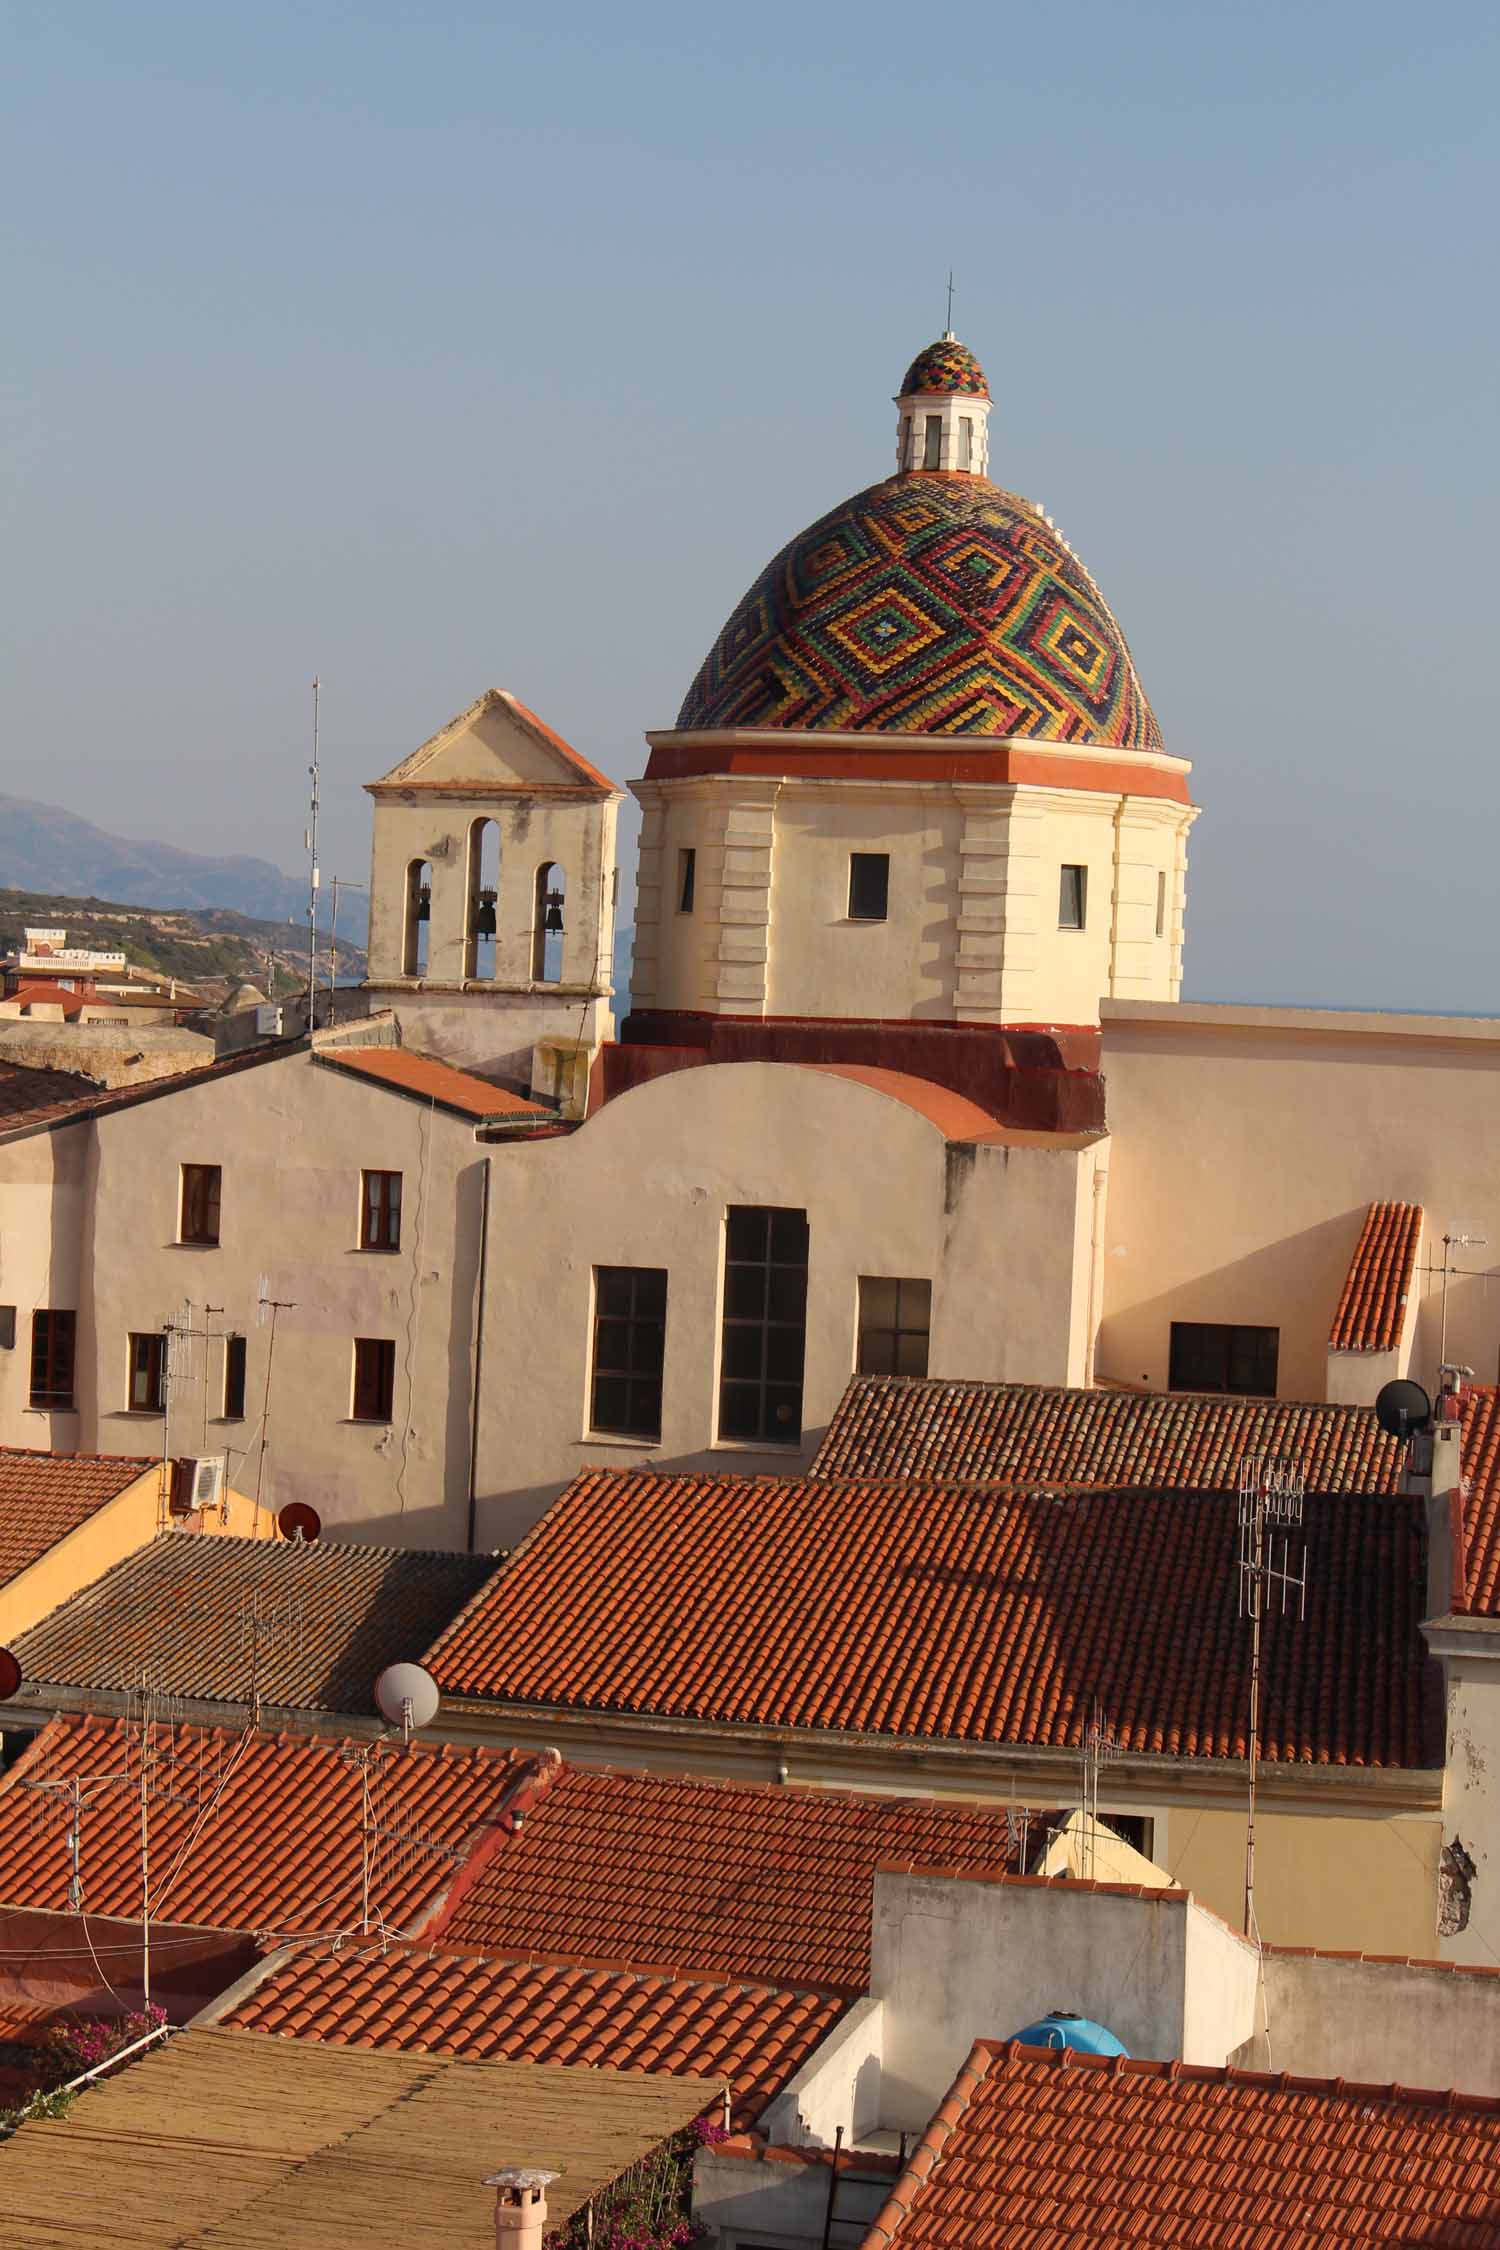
<point>10,1675</point>
<point>406,1696</point>
<point>298,1521</point>
<point>1402,1409</point>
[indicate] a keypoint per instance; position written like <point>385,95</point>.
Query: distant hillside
<point>211,945</point>
<point>43,848</point>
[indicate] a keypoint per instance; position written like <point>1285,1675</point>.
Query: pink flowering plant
<point>650,2207</point>
<point>71,2048</point>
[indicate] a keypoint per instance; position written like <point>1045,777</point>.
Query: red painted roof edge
<point>504,1103</point>
<point>1228,2074</point>
<point>954,1115</point>
<point>524,1791</point>
<point>554,741</point>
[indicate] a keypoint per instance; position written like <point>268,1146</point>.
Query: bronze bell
<point>424,904</point>
<point>552,920</point>
<point>484,916</point>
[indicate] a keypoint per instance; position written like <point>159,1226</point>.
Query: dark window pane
<point>649,1344</point>
<point>234,1378</point>
<point>611,1402</point>
<point>52,1339</point>
<point>651,1291</point>
<point>788,1238</point>
<point>869,886</point>
<point>747,1231</point>
<point>687,871</point>
<point>612,1346</point>
<point>1216,1356</point>
<point>785,1405</point>
<point>745,1292</point>
<point>200,1203</point>
<point>784,1354</point>
<point>1072,903</point>
<point>744,1346</point>
<point>787,1294</point>
<point>877,1351</point>
<point>612,1292</point>
<point>911,1352</point>
<point>739,1410</point>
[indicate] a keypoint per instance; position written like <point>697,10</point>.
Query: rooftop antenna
<point>312,871</point>
<point>1272,1567</point>
<point>948,331</point>
<point>266,1309</point>
<point>1099,1743</point>
<point>406,1696</point>
<point>337,883</point>
<point>269,1628</point>
<point>1452,1242</point>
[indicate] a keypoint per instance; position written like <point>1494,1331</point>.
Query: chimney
<point>520,2206</point>
<point>1436,1472</point>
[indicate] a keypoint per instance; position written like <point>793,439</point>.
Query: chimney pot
<point>520,2206</point>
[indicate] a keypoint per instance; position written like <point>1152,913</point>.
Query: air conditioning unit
<point>268,1023</point>
<point>207,1481</point>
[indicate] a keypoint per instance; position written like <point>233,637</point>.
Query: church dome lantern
<point>942,412</point>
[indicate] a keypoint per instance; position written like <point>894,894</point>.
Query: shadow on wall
<point>1292,1285</point>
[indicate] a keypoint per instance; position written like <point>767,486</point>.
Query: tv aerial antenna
<point>406,1696</point>
<point>1099,1744</point>
<point>1272,1572</point>
<point>313,873</point>
<point>269,1629</point>
<point>267,1308</point>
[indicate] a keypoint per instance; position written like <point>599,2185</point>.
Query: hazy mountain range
<point>43,848</point>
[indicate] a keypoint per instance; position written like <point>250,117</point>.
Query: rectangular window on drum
<point>895,1320</point>
<point>932,442</point>
<point>966,441</point>
<point>764,1335</point>
<point>1073,898</point>
<point>869,886</point>
<point>687,876</point>
<point>1161,902</point>
<point>630,1339</point>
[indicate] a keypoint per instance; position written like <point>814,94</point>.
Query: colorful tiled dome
<point>946,365</point>
<point>927,605</point>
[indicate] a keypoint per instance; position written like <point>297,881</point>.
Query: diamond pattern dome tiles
<point>930,604</point>
<point>945,367</point>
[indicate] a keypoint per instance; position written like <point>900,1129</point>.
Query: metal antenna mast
<point>312,871</point>
<point>949,329</point>
<point>1272,1565</point>
<point>267,1306</point>
<point>1099,1743</point>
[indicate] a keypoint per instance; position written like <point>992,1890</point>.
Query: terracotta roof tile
<point>727,1878</point>
<point>1481,1499</point>
<point>433,1081</point>
<point>1373,1305</point>
<point>514,2009</point>
<point>1050,2152</point>
<point>181,1605</point>
<point>953,1613</point>
<point>248,1831</point>
<point>1022,1433</point>
<point>44,1496</point>
<point>39,1097</point>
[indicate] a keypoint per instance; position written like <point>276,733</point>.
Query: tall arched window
<point>484,894</point>
<point>417,917</point>
<point>547,924</point>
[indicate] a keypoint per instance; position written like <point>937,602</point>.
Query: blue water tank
<point>1060,2028</point>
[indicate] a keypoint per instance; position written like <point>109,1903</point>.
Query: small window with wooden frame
<point>374,1378</point>
<point>380,1211</point>
<point>148,1372</point>
<point>630,1339</point>
<point>198,1222</point>
<point>54,1344</point>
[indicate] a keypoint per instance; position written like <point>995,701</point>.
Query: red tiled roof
<point>1481,1501</point>
<point>726,1878</point>
<point>39,1097</point>
<point>1024,1433</point>
<point>1373,1305</point>
<point>432,1081</point>
<point>51,996</point>
<point>1050,2152</point>
<point>517,2010</point>
<point>953,1613</point>
<point>248,1831</point>
<point>179,1604</point>
<point>44,1496</point>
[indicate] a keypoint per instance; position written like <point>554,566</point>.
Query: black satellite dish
<point>10,1674</point>
<point>1402,1409</point>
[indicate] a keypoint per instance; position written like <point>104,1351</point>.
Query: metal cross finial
<point>950,301</point>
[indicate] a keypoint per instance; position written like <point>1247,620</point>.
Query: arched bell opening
<point>547,924</point>
<point>484,896</point>
<point>418,917</point>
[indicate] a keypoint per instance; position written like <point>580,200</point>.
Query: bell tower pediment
<point>497,746</point>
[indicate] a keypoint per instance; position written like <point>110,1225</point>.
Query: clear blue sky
<point>436,347</point>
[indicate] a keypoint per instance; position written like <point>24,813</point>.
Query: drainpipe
<point>520,2206</point>
<point>484,1247</point>
<point>1096,1270</point>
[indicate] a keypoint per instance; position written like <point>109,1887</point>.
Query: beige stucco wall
<point>109,1534</point>
<point>972,930</point>
<point>1247,1145</point>
<point>646,1183</point>
<point>1470,1652</point>
<point>292,1137</point>
<point>1321,1878</point>
<point>43,1216</point>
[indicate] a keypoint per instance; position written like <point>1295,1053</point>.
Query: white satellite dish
<point>406,1696</point>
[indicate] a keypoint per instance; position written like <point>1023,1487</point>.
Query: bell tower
<point>492,897</point>
<point>942,412</point>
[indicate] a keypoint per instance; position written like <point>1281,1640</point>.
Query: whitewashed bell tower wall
<point>489,1002</point>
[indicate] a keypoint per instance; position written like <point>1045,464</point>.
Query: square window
<point>374,1378</point>
<point>687,876</point>
<point>1218,1356</point>
<point>200,1205</point>
<point>895,1319</point>
<point>380,1211</point>
<point>148,1372</point>
<point>1073,899</point>
<point>54,1337</point>
<point>869,886</point>
<point>630,1340</point>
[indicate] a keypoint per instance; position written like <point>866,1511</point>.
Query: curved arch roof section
<point>946,366</point>
<point>928,604</point>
